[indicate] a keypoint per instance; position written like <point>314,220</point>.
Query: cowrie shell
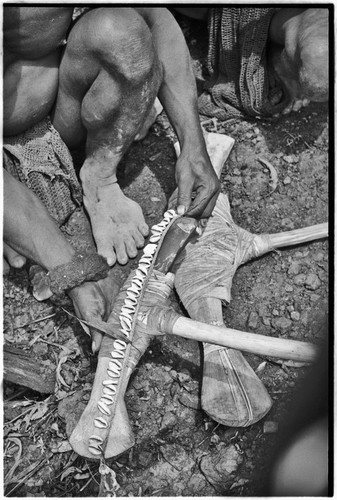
<point>119,344</point>
<point>150,249</point>
<point>94,437</point>
<point>134,289</point>
<point>130,302</point>
<point>109,391</point>
<point>95,451</point>
<point>124,332</point>
<point>103,408</point>
<point>143,268</point>
<point>113,368</point>
<point>116,363</point>
<point>162,224</point>
<point>101,423</point>
<point>114,374</point>
<point>145,259</point>
<point>126,323</point>
<point>117,354</point>
<point>126,313</point>
<point>170,213</point>
<point>107,398</point>
<point>138,282</point>
<point>157,228</point>
<point>154,238</point>
<point>109,383</point>
<point>139,274</point>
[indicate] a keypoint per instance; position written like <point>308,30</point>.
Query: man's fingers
<point>202,206</point>
<point>96,338</point>
<point>184,200</point>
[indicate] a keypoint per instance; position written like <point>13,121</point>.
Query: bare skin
<point>98,89</point>
<point>298,50</point>
<point>103,98</point>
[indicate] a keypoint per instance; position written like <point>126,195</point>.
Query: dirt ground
<point>179,450</point>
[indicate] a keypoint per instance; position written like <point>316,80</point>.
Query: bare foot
<point>11,259</point>
<point>118,224</point>
<point>295,105</point>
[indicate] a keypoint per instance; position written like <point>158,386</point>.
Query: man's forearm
<point>178,92</point>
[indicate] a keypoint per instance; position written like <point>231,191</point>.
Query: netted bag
<point>40,159</point>
<point>240,82</point>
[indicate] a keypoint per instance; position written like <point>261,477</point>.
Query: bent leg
<point>109,78</point>
<point>300,54</point>
<point>28,229</point>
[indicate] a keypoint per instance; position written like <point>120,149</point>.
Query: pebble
<point>295,315</point>
<point>287,223</point>
<point>275,312</point>
<point>266,321</point>
<point>286,180</point>
<point>314,297</point>
<point>312,282</point>
<point>253,320</point>
<point>168,420</point>
<point>294,268</point>
<point>282,323</point>
<point>270,427</point>
<point>300,279</point>
<point>288,288</point>
<point>145,458</point>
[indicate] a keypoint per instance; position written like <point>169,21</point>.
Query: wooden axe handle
<point>166,320</point>
<point>245,341</point>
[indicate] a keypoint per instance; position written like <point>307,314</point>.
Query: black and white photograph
<point>167,204</point>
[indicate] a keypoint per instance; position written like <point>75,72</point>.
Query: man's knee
<point>121,42</point>
<point>313,46</point>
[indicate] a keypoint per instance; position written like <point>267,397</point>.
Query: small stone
<point>300,279</point>
<point>290,308</point>
<point>145,458</point>
<point>253,320</point>
<point>215,439</point>
<point>237,171</point>
<point>286,180</point>
<point>288,288</point>
<point>275,312</point>
<point>295,315</point>
<point>266,321</point>
<point>282,323</point>
<point>168,421</point>
<point>287,223</point>
<point>294,268</point>
<point>312,282</point>
<point>270,427</point>
<point>314,297</point>
<point>288,159</point>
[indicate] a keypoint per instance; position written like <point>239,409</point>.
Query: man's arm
<point>178,95</point>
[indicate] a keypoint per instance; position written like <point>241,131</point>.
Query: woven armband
<point>87,267</point>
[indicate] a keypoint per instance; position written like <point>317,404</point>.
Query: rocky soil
<point>179,450</point>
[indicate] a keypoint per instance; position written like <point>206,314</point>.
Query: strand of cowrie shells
<point>111,385</point>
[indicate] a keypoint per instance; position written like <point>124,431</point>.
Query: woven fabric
<point>40,159</point>
<point>239,83</point>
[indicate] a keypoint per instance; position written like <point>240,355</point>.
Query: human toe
<point>144,229</point>
<point>13,258</point>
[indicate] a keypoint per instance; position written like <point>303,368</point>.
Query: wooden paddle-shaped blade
<point>232,394</point>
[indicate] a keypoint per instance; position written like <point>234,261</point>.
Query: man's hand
<point>196,176</point>
<point>93,303</point>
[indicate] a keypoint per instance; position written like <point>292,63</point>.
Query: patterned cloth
<point>239,83</point>
<point>40,160</point>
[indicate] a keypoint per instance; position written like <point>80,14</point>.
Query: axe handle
<point>243,341</point>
